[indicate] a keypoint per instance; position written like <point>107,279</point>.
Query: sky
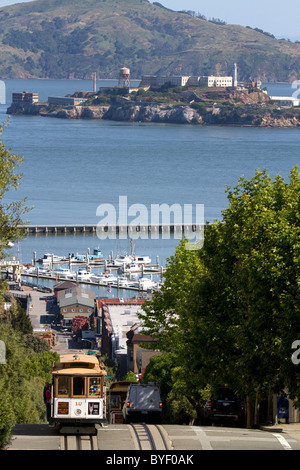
<point>273,16</point>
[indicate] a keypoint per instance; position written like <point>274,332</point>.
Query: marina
<point>128,271</point>
<point>111,282</point>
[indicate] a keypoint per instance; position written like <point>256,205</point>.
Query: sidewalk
<point>292,429</point>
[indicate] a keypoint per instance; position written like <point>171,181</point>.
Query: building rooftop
<point>284,98</point>
<point>76,299</point>
<point>121,316</point>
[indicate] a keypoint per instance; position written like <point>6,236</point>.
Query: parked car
<point>223,406</point>
<point>143,404</point>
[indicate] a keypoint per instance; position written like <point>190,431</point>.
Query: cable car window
<point>63,386</point>
<point>78,386</point>
<point>94,386</point>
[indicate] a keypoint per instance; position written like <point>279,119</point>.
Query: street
<point>182,438</point>
<point>43,311</point>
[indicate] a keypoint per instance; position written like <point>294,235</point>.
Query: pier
<point>116,229</point>
<point>113,285</point>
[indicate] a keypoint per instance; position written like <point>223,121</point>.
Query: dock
<point>116,285</point>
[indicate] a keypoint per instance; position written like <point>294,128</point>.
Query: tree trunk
<point>249,411</point>
<point>270,407</point>
<point>257,406</point>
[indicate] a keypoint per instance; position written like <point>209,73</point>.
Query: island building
<point>25,97</point>
<point>252,84</point>
<point>66,100</point>
<point>285,101</point>
<point>154,81</point>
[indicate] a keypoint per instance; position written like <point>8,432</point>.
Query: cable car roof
<point>78,364</point>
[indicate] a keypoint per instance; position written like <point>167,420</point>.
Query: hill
<point>73,39</point>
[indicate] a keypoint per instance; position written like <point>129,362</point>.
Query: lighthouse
<point>235,82</point>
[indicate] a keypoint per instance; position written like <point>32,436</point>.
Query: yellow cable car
<point>78,391</point>
<point>116,396</point>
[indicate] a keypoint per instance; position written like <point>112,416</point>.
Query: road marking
<point>204,440</point>
<point>283,441</point>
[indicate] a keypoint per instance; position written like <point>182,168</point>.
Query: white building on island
<point>202,81</point>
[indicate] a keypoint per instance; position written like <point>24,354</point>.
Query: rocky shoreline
<point>156,113</point>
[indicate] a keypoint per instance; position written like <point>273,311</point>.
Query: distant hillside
<point>74,38</point>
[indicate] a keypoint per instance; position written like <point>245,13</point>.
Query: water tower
<point>124,77</point>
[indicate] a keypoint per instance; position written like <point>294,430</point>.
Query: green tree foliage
<point>230,312</point>
<point>253,257</point>
<point>168,318</point>
<point>18,317</point>
<point>7,416</point>
<point>178,407</point>
<point>130,377</point>
<point>10,213</point>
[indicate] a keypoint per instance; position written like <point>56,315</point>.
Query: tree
<point>165,369</point>
<point>254,256</point>
<point>168,317</point>
<point>230,311</point>
<point>18,316</point>
<point>130,377</point>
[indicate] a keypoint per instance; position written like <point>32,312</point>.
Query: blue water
<point>71,167</point>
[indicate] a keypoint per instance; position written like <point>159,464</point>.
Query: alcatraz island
<point>200,100</point>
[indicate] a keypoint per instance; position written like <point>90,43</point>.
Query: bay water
<point>72,166</point>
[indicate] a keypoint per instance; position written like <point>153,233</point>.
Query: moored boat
<point>50,258</point>
<point>64,272</point>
